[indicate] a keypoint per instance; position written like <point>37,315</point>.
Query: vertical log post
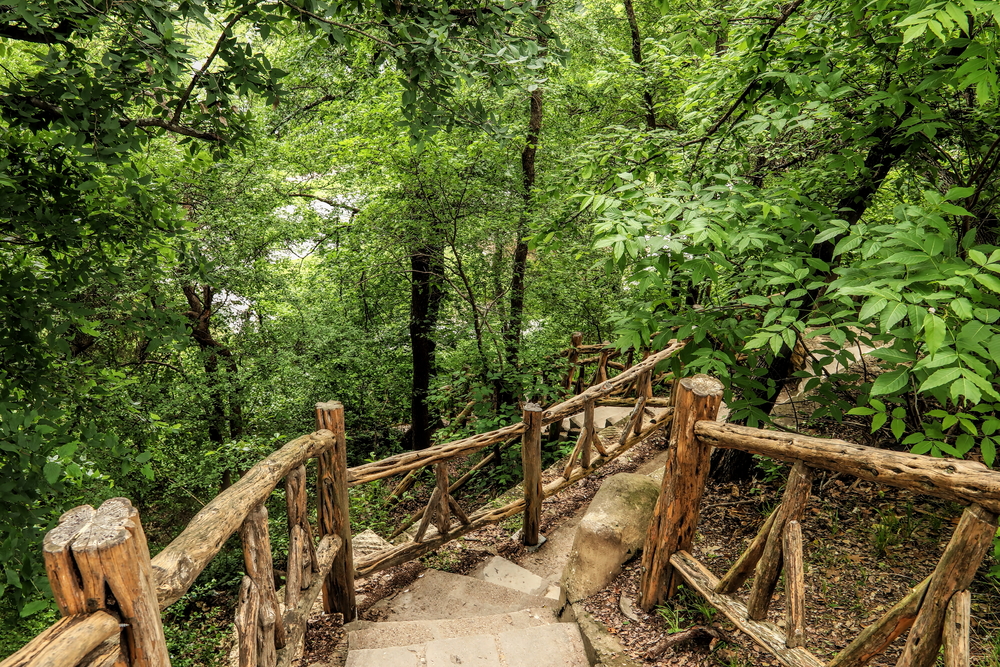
<point>99,559</point>
<point>442,518</point>
<point>589,432</point>
<point>795,587</point>
<point>675,516</point>
<point>531,464</point>
<point>247,613</point>
<point>601,374</point>
<point>792,507</point>
<point>334,512</point>
<point>645,389</point>
<point>575,340</point>
<point>301,552</point>
<point>954,573</point>
<point>259,567</point>
<point>955,638</point>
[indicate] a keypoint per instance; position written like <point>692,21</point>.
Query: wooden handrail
<point>953,479</point>
<point>66,641</point>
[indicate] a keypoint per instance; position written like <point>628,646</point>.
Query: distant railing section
<point>936,612</point>
<point>111,593</point>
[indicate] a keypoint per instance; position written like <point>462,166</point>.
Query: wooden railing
<point>111,593</point>
<point>936,612</point>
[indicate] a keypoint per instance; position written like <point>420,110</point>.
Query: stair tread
<point>499,570</point>
<point>440,595</point>
<point>405,633</point>
<point>552,645</point>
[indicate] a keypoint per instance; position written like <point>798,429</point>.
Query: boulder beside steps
<point>501,616</point>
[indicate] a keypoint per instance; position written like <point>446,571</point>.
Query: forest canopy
<point>215,213</point>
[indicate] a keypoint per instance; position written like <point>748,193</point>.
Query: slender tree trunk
<point>426,294</point>
<point>647,94</point>
<point>200,316</point>
<point>515,316</point>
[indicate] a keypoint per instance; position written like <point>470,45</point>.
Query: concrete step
<point>440,595</point>
<point>407,633</point>
<point>498,570</point>
<point>553,645</point>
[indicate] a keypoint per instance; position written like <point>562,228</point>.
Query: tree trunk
<point>647,94</point>
<point>426,294</point>
<point>200,316</point>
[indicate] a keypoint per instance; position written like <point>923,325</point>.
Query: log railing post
<point>257,560</point>
<point>954,572</point>
<point>334,512</point>
<point>94,553</point>
<point>531,464</point>
<point>675,516</point>
<point>795,586</point>
<point>955,638</point>
<point>301,551</point>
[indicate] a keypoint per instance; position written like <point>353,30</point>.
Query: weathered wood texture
<point>876,637</point>
<point>333,512</point>
<point>295,617</point>
<point>66,641</point>
<point>107,558</point>
<point>957,623</point>
<point>768,570</point>
<point>962,481</point>
<point>651,402</point>
<point>259,566</point>
<point>301,553</point>
<point>247,612</point>
<point>176,567</point>
<point>395,465</point>
<point>766,635</point>
<point>675,515</point>
<point>410,550</point>
<point>531,465</point>
<point>954,572</point>
<point>795,586</point>
<point>443,510</point>
<point>432,505</point>
<point>745,564</point>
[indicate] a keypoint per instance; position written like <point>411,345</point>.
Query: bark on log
<point>410,550</point>
<point>651,402</point>
<point>176,567</point>
<point>268,620</point>
<point>795,586</point>
<point>442,518</point>
<point>432,505</point>
<point>106,552</point>
<point>955,638</point>
<point>297,505</point>
<point>747,562</point>
<point>766,635</point>
<point>66,641</point>
<point>965,482</point>
<point>573,353</point>
<point>591,431</point>
<point>296,556</point>
<point>768,570</point>
<point>876,637</point>
<point>247,610</point>
<point>675,515</point>
<point>259,565</point>
<point>531,464</point>
<point>338,593</point>
<point>295,618</point>
<point>954,573</point>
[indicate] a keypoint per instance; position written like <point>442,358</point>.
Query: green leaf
<point>898,426</point>
<point>51,471</point>
<point>872,306</point>
<point>893,313</point>
<point>888,383</point>
<point>967,389</point>
<point>940,377</point>
<point>988,281</point>
<point>934,332</point>
<point>878,421</point>
<point>913,32</point>
<point>989,451</point>
<point>962,307</point>
<point>34,607</point>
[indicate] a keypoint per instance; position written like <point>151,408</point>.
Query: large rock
<point>611,531</point>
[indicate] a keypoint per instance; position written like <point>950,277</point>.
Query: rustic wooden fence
<point>110,593</point>
<point>936,612</point>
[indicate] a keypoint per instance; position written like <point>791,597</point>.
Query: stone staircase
<point>500,616</point>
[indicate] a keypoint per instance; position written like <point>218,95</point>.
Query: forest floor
<point>865,547</point>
